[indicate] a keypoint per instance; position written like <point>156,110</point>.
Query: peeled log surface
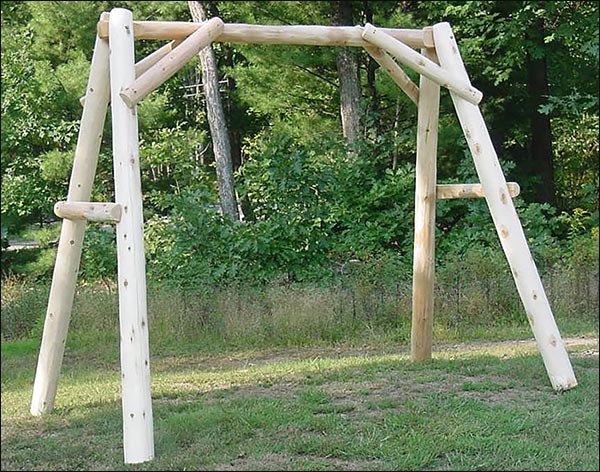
<point>90,211</point>
<point>309,35</point>
<point>136,399</point>
<point>166,67</point>
<point>68,255</point>
<point>396,73</point>
<point>144,64</point>
<point>506,221</point>
<point>448,191</point>
<point>421,64</point>
<point>424,237</point>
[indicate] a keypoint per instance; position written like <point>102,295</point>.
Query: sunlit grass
<point>484,406</point>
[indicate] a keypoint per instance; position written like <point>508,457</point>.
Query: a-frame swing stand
<point>116,78</point>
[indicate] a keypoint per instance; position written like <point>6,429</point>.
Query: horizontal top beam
<point>310,35</point>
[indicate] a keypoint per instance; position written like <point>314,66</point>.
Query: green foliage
<point>99,254</point>
<point>56,166</point>
<point>23,306</point>
<point>576,149</point>
<point>312,204</point>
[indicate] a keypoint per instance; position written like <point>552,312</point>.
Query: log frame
<point>113,72</point>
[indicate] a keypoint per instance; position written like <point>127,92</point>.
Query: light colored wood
<point>89,211</point>
<point>309,35</point>
<point>396,73</point>
<point>424,239</point>
<point>506,220</point>
<point>421,64</point>
<point>144,64</point>
<point>138,438</point>
<point>449,191</point>
<point>166,67</point>
<point>147,62</point>
<point>315,35</point>
<point>64,278</point>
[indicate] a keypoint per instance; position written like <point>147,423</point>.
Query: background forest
<point>323,204</point>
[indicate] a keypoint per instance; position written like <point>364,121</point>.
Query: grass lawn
<point>477,406</point>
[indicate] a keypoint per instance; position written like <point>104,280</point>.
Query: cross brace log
<point>90,211</point>
<point>448,191</point>
<point>421,64</point>
<point>167,66</point>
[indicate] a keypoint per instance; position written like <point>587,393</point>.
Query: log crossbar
<point>450,191</point>
<point>90,211</point>
<point>307,35</point>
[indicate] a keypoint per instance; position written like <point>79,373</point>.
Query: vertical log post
<point>425,197</point>
<point>138,439</point>
<point>64,278</point>
<point>506,220</point>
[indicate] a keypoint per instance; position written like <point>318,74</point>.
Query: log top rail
<point>309,35</point>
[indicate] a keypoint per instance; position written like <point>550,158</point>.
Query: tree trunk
<point>541,134</point>
<point>348,72</point>
<point>235,113</point>
<point>216,120</point>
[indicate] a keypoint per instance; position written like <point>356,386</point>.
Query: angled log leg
<point>68,255</point>
<point>506,220</point>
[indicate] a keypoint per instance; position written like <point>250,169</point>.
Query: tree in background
<point>283,105</point>
<point>348,73</point>
<point>216,119</point>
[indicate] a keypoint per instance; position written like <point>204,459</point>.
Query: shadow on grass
<point>323,409</point>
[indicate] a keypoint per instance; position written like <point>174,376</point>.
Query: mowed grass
<point>477,406</point>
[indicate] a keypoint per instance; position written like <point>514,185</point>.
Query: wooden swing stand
<point>113,73</point>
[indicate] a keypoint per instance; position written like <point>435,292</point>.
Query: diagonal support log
<point>64,278</point>
<point>506,220</point>
<point>166,67</point>
<point>144,64</point>
<point>396,73</point>
<point>421,64</point>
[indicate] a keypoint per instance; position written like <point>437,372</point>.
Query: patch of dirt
<point>278,461</point>
<point>250,359</point>
<point>512,344</point>
<point>384,390</point>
